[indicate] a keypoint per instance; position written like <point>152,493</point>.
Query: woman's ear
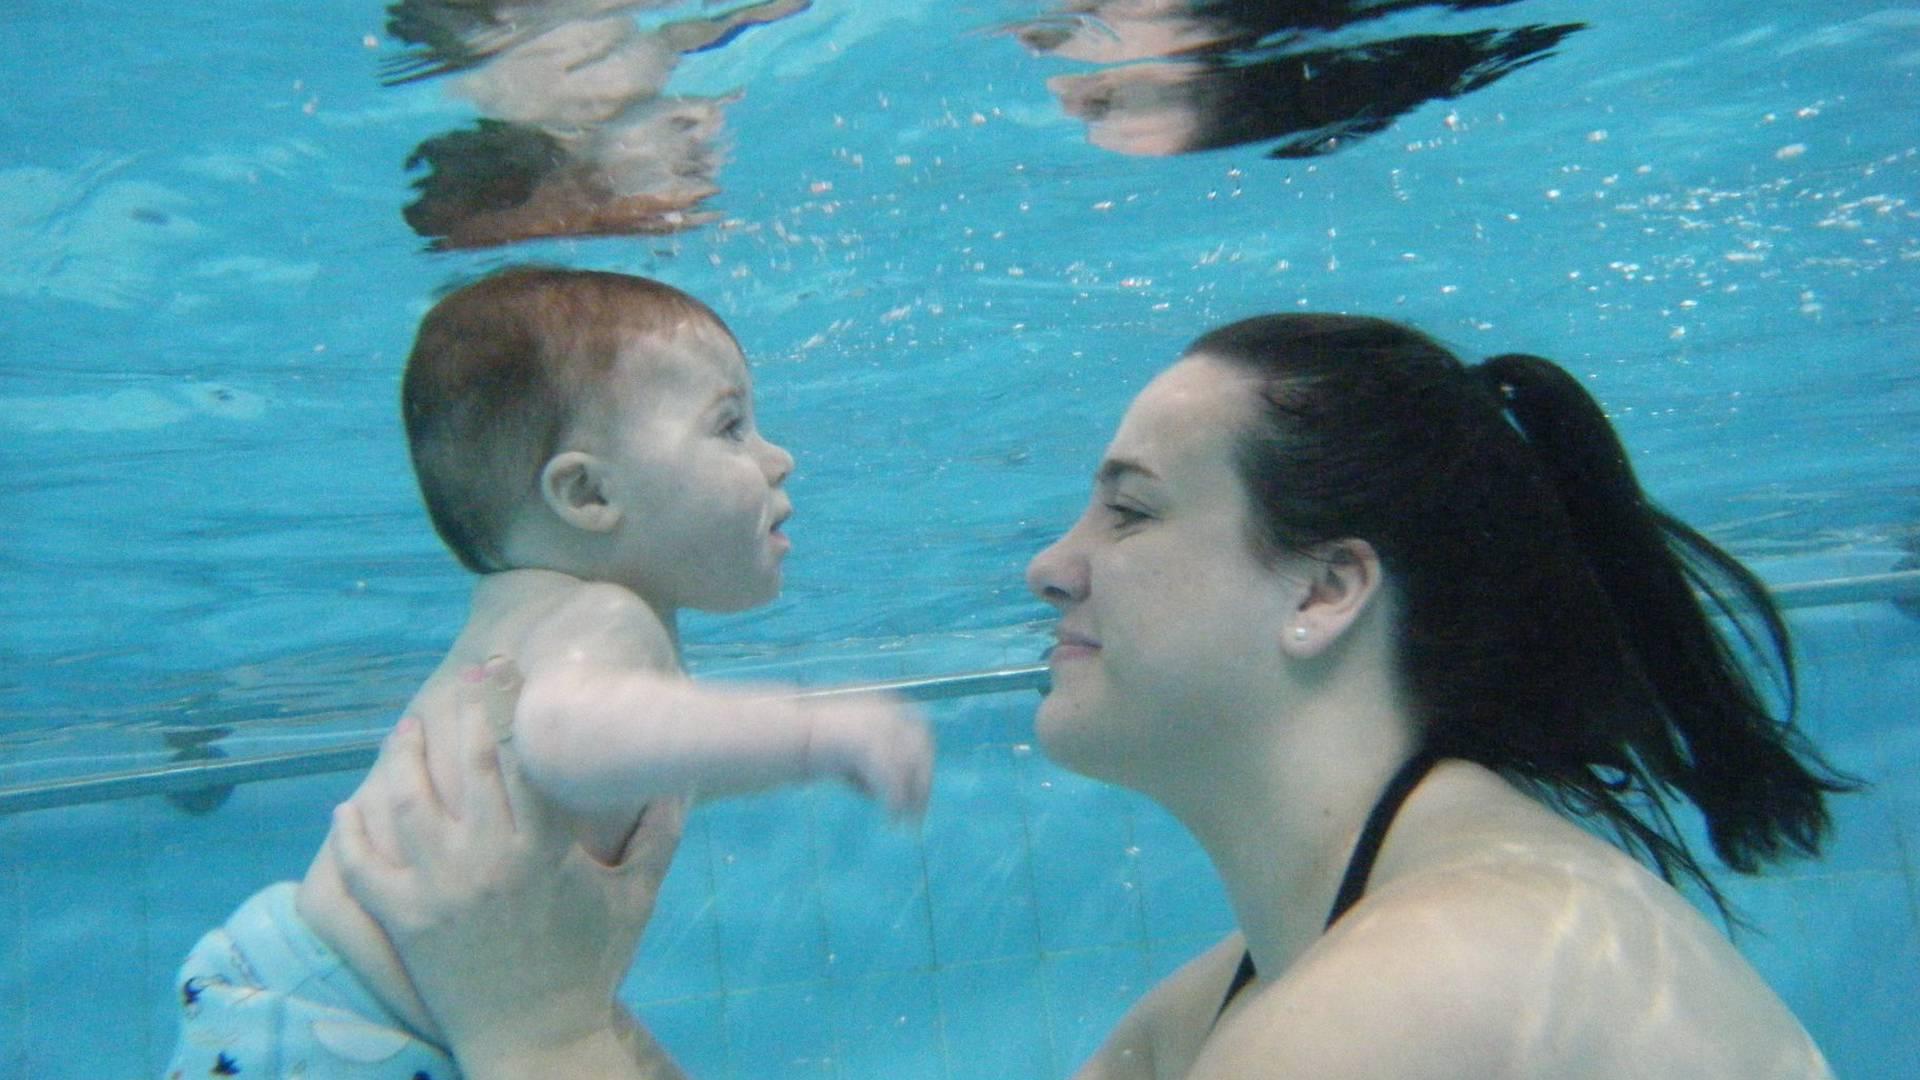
<point>570,485</point>
<point>1342,578</point>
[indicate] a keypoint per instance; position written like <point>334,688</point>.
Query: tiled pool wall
<point>799,935</point>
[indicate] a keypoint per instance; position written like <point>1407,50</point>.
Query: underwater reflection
<point>577,135</point>
<point>1193,75</point>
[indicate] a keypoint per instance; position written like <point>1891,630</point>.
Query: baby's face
<point>700,491</point>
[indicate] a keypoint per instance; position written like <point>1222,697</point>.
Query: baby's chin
<point>745,601</point>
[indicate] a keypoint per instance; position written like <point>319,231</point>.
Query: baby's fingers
<point>917,775</point>
<point>902,770</point>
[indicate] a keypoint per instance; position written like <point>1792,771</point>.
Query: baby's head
<point>600,425</point>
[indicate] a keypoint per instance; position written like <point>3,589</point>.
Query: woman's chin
<point>1064,733</point>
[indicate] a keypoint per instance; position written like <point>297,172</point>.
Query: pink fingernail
<point>498,671</point>
<point>406,725</point>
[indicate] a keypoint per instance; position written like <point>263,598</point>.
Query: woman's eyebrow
<point>1113,470</point>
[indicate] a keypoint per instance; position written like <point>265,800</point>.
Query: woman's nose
<point>1057,575</point>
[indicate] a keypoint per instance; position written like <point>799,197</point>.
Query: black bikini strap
<point>1241,977</point>
<point>1353,884</point>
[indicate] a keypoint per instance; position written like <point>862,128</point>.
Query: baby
<point>585,443</point>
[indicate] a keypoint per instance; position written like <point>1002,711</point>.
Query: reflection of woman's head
<point>1118,31</point>
<point>1311,102</point>
<point>1547,619</point>
<point>1149,110</point>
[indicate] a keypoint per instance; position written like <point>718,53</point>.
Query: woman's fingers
<point>348,838</point>
<point>649,851</point>
<point>394,789</point>
<point>400,795</point>
<point>483,719</point>
<point>645,863</point>
<point>504,795</point>
<point>612,904</point>
<point>373,880</point>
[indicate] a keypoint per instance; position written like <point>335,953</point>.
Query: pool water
<point>1710,212</point>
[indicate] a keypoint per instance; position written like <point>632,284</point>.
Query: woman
<point>1373,625</point>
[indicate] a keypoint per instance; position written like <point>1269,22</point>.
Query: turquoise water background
<point>1709,211</point>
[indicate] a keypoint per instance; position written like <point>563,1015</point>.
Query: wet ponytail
<point>1553,624</point>
<point>1718,744</point>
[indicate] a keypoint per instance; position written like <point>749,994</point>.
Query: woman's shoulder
<point>1511,944</point>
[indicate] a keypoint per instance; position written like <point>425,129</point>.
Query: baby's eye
<point>734,428</point>
<point>1124,515</point>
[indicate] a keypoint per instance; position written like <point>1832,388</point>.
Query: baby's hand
<point>877,744</point>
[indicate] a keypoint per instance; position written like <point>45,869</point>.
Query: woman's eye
<point>735,428</point>
<point>1125,515</point>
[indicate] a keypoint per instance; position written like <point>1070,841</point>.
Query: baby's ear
<point>570,485</point>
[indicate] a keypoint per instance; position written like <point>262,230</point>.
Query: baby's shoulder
<point>600,623</point>
<point>590,602</point>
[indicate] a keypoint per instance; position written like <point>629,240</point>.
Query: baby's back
<point>509,611</point>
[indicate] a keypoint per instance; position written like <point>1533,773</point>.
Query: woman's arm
<point>1163,1032</point>
<point>514,937</point>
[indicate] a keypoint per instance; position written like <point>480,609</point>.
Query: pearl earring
<point>1299,633</point>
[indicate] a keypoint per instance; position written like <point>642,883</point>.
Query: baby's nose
<point>779,464</point>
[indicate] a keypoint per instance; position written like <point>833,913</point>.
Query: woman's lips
<point>1072,648</point>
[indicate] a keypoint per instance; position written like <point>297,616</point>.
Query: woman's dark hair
<point>1553,622</point>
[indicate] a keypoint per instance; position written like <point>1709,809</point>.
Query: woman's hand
<point>514,937</point>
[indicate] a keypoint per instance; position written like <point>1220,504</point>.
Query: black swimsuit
<point>1360,864</point>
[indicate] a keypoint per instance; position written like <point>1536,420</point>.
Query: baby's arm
<point>606,722</point>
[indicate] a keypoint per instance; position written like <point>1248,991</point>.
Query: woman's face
<point>1143,109</point>
<point>1169,623</point>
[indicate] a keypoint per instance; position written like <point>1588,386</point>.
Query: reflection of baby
<point>500,183</point>
<point>456,35</point>
<point>579,140</point>
<point>574,76</point>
